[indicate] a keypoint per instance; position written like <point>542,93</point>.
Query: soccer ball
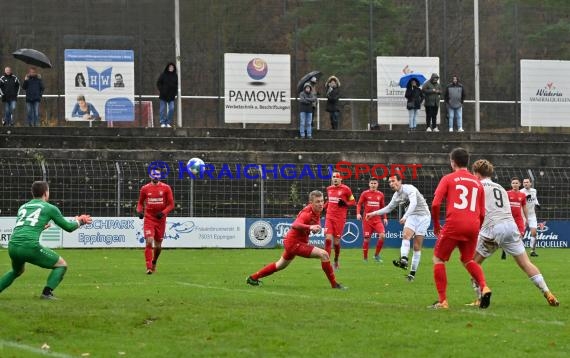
<point>195,166</point>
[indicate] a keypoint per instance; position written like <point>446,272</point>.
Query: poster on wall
<point>391,100</point>
<point>257,88</point>
<point>99,85</point>
<point>545,93</point>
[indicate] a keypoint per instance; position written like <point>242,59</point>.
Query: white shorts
<point>418,224</point>
<point>504,235</point>
<point>531,222</point>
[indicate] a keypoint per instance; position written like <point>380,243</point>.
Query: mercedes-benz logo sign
<point>351,233</point>
<point>260,233</point>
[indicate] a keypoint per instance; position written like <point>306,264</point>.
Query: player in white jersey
<point>416,221</point>
<point>531,204</point>
<point>500,231</point>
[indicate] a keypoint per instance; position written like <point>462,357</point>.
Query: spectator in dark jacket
<point>306,100</point>
<point>333,96</point>
<point>9,88</point>
<point>454,97</point>
<point>415,97</point>
<point>167,85</point>
<point>432,94</point>
<point>34,87</point>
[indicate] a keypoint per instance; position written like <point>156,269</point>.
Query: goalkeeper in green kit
<point>24,246</point>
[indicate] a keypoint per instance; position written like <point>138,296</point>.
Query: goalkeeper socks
<point>328,245</point>
<point>327,268</point>
<point>7,280</point>
<point>476,272</point>
<point>416,261</point>
<point>336,251</point>
<point>539,282</point>
<point>266,271</point>
<point>148,256</point>
<point>379,245</point>
<point>365,249</point>
<point>440,278</point>
<point>405,248</point>
<point>56,276</point>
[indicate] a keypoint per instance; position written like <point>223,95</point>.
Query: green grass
<point>198,305</point>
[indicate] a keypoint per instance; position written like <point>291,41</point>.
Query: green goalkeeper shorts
<point>36,255</point>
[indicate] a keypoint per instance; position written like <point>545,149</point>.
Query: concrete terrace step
<point>294,157</point>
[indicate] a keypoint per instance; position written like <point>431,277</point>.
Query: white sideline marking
<point>33,349</point>
<point>377,303</point>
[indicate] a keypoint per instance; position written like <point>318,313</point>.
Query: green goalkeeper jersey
<point>32,219</point>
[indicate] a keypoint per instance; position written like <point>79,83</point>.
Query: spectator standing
<point>9,89</point>
<point>34,87</point>
<point>415,97</point>
<point>432,94</point>
<point>333,96</point>
<point>167,85</point>
<point>306,100</point>
<point>454,97</point>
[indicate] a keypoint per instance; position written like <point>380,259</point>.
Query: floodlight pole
<point>427,28</point>
<point>178,62</point>
<point>476,37</point>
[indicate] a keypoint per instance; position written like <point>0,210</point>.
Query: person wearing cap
<point>454,97</point>
<point>333,96</point>
<point>432,94</point>
<point>306,100</point>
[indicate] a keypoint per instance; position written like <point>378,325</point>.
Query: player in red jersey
<point>296,243</point>
<point>155,202</point>
<point>373,200</point>
<point>339,198</point>
<point>465,212</point>
<point>517,199</point>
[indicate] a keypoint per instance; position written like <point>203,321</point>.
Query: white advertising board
<point>257,88</point>
<point>106,78</point>
<point>391,100</point>
<point>51,237</point>
<point>545,93</point>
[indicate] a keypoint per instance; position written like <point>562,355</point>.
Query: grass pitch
<point>198,305</point>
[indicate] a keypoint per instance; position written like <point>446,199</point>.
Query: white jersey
<point>407,194</point>
<point>497,207</point>
<point>531,200</point>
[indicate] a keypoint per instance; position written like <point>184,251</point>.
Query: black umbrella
<point>306,78</point>
<point>32,57</point>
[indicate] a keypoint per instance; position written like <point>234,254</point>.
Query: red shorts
<point>154,229</point>
<point>296,248</point>
<point>444,247</point>
<point>335,227</point>
<point>369,227</point>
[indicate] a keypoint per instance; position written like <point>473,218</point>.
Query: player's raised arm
<point>67,225</point>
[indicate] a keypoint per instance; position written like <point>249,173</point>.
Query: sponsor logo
<point>257,69</point>
<point>351,233</point>
<point>260,233</point>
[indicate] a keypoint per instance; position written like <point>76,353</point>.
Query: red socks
<point>477,273</point>
<point>440,278</point>
<point>148,256</point>
<point>328,245</point>
<point>336,251</point>
<point>266,271</point>
<point>379,245</point>
<point>365,249</point>
<point>327,268</point>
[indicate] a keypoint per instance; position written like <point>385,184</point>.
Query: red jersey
<point>334,193</point>
<point>155,198</point>
<point>306,218</point>
<point>372,200</point>
<point>464,207</point>
<point>517,200</point>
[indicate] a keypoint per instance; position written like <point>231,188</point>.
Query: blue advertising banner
<point>269,233</point>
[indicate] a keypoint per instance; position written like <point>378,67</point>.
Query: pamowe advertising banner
<point>545,93</point>
<point>257,88</point>
<point>99,85</point>
<point>391,100</point>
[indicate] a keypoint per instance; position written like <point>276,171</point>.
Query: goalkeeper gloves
<point>341,203</point>
<point>141,215</point>
<point>83,219</point>
<point>159,215</point>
